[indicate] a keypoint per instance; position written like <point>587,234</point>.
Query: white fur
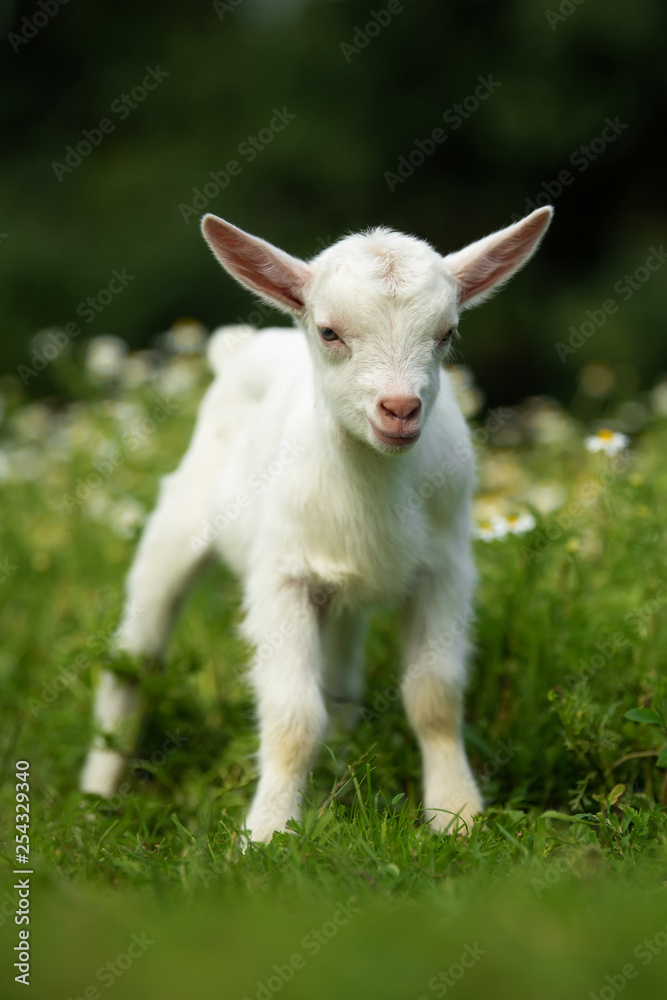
<point>288,482</point>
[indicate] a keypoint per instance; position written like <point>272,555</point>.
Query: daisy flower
<point>547,496</point>
<point>608,441</point>
<point>519,524</point>
<point>105,356</point>
<point>491,529</point>
<point>126,516</point>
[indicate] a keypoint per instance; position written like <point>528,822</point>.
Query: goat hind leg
<point>343,652</point>
<point>169,555</point>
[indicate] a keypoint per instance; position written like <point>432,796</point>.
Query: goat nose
<point>400,407</point>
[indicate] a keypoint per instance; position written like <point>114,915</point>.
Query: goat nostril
<point>400,407</point>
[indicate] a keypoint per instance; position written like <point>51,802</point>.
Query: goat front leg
<point>437,621</point>
<point>283,625</point>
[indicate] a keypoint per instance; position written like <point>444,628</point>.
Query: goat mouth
<point>395,440</point>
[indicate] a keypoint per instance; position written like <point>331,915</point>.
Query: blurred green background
<point>322,104</point>
<point>364,85</point>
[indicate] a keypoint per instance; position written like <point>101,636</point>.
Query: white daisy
<point>610,442</point>
<point>519,524</point>
<point>178,375</point>
<point>98,505</point>
<point>105,356</point>
<point>546,422</point>
<point>33,422</point>
<point>547,496</point>
<point>124,411</point>
<point>26,465</point>
<point>187,336</point>
<point>139,368</point>
<point>491,529</point>
<point>126,516</point>
<point>659,398</point>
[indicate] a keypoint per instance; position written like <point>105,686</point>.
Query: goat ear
<point>483,267</point>
<point>263,268</point>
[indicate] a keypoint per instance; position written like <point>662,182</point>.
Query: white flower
<point>98,505</point>
<point>33,422</point>
<point>75,430</point>
<point>547,496</point>
<point>608,441</point>
<point>139,368</point>
<point>187,336</point>
<point>105,357</point>
<point>496,526</point>
<point>659,398</point>
<point>123,411</point>
<point>491,529</point>
<point>546,422</point>
<point>519,524</point>
<point>103,447</point>
<point>469,397</point>
<point>461,376</point>
<point>178,375</point>
<point>126,516</point>
<point>632,415</point>
<point>25,465</point>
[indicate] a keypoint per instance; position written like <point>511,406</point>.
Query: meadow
<point>559,891</point>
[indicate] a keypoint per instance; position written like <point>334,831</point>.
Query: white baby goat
<point>356,416</point>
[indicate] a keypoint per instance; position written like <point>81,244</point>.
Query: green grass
<point>558,885</point>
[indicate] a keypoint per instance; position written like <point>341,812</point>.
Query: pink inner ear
<point>495,258</point>
<point>257,264</point>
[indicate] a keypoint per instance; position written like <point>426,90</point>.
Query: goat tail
<point>224,342</point>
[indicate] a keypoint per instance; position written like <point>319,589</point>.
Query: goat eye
<point>326,333</point>
<point>444,342</point>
